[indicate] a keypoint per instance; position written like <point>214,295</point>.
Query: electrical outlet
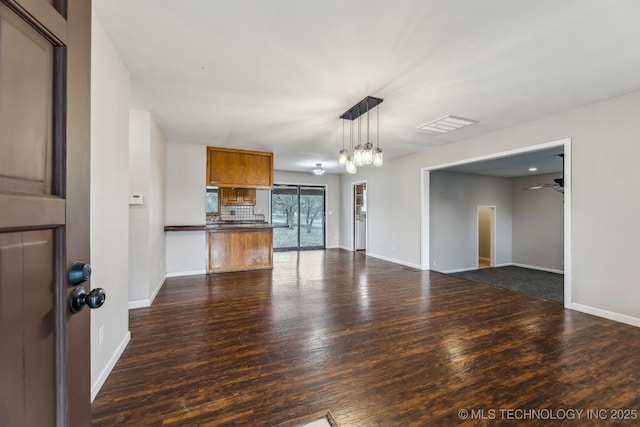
<point>434,263</point>
<point>393,247</point>
<point>100,335</point>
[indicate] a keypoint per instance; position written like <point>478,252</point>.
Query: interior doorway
<point>427,251</point>
<point>360,216</point>
<point>486,236</point>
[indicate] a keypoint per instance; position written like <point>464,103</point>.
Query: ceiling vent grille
<point>446,124</point>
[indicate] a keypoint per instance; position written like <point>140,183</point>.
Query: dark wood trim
<point>60,318</point>
<point>43,17</point>
<point>60,121</point>
<point>47,211</point>
<point>61,7</point>
<point>223,227</point>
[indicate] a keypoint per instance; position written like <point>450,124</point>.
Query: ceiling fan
<point>558,183</point>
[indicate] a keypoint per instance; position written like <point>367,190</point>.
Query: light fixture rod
<point>368,103</point>
<point>378,128</point>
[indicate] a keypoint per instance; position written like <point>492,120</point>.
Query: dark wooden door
<point>44,210</point>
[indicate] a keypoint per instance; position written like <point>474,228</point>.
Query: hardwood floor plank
<point>376,343</point>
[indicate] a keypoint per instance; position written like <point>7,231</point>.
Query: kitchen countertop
<point>223,226</point>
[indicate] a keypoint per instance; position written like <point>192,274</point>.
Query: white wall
<point>147,176</point>
<point>186,251</point>
<point>538,224</point>
<point>391,189</point>
<point>157,206</point>
<point>603,169</point>
<point>332,208</point>
<point>109,210</point>
<point>139,214</point>
<point>455,198</point>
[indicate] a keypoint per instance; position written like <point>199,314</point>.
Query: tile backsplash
<point>239,213</point>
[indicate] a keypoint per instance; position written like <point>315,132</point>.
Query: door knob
<point>79,272</point>
<point>79,298</point>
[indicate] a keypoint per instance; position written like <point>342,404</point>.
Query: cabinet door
<point>239,251</point>
<point>248,196</point>
<point>231,196</point>
<point>238,196</point>
<point>239,168</point>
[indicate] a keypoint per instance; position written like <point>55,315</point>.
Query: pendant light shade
<point>344,155</point>
<point>361,154</point>
<point>351,165</point>
<point>377,157</point>
<point>367,153</point>
<point>357,155</point>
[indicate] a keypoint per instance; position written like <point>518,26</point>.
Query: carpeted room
<point>526,229</point>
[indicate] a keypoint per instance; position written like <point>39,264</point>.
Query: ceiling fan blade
<point>539,186</point>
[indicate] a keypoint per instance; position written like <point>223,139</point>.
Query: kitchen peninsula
<point>235,246</point>
<point>237,239</point>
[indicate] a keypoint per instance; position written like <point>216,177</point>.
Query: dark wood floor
<point>376,343</point>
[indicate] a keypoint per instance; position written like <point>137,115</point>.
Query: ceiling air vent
<point>446,124</point>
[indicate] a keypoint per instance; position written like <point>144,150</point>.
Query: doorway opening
<point>427,252</point>
<point>360,216</point>
<point>298,214</point>
<point>486,236</point>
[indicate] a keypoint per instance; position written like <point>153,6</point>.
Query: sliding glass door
<point>299,213</point>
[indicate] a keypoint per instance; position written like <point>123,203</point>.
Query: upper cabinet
<point>238,196</point>
<point>227,167</point>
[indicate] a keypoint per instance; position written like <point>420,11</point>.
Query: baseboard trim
<point>535,267</point>
<point>157,289</point>
<point>459,270</point>
<point>99,382</point>
<point>141,303</point>
<point>622,318</point>
<point>395,261</point>
<point>186,273</point>
<point>345,248</point>
<point>508,264</point>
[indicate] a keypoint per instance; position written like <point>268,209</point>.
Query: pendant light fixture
<point>362,154</point>
<point>357,152</point>
<point>344,154</point>
<point>367,152</point>
<point>377,155</point>
<point>351,163</point>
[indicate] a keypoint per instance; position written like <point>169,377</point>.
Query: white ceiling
<point>275,75</point>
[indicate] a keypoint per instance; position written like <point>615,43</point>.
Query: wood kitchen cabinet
<point>227,167</point>
<point>238,196</point>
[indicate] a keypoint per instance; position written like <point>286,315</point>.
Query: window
<point>299,211</point>
<point>212,203</point>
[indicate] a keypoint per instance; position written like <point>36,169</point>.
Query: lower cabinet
<point>239,250</point>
